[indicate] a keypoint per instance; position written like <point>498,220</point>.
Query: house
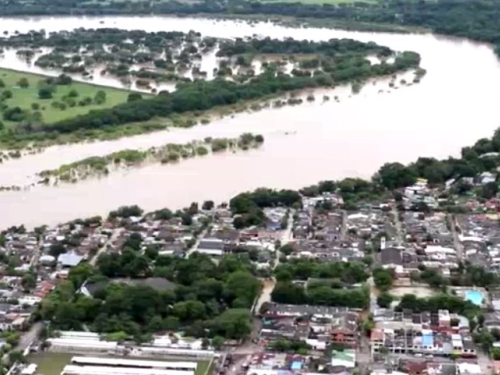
<point>70,259</point>
<point>391,257</point>
<point>211,246</point>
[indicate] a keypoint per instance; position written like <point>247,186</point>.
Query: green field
<point>53,363</point>
<point>25,97</point>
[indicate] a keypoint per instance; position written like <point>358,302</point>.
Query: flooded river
<point>454,105</point>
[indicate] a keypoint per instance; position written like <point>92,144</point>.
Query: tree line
<point>480,157</point>
<point>288,292</point>
<point>475,20</point>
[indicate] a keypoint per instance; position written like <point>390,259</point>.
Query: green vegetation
<point>316,64</point>
<point>339,274</point>
<point>290,293</point>
<point>473,161</point>
<point>170,153</point>
<point>475,20</point>
<point>48,100</point>
<point>453,304</point>
<point>203,299</point>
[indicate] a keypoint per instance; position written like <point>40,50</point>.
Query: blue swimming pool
<point>474,296</point>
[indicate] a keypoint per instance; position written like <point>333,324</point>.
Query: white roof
<point>98,370</point>
<point>134,363</point>
<point>30,369</point>
<point>69,259</point>
<point>76,343</point>
<point>79,334</point>
<point>471,368</point>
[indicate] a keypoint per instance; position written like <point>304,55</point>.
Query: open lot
<point>50,363</point>
<point>419,291</point>
<point>24,98</point>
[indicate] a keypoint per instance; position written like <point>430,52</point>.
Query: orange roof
<point>496,366</point>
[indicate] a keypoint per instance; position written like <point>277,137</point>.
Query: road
<point>37,253</point>
<point>286,237</point>
<point>28,337</point>
<point>197,243</point>
<point>343,228</point>
<point>456,240</point>
<point>397,223</point>
<point>116,233</point>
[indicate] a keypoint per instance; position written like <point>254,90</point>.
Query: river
<point>454,105</point>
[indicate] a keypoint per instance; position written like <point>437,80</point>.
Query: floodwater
<point>454,105</point>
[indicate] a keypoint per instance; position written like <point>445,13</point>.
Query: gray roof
<point>69,259</point>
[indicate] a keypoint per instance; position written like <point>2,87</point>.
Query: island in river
<point>295,66</point>
<point>171,153</point>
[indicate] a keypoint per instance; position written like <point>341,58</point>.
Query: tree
<point>383,279</point>
<point>368,325</point>
<point>396,175</point>
<point>16,356</point>
<point>100,97</point>
<point>45,93</point>
<point>80,273</point>
<point>2,83</point>
<point>6,94</point>
<point>207,205</point>
<point>488,190</point>
<point>23,83</point>
<point>234,324</point>
<point>28,281</point>
<point>495,354</point>
<point>287,249</point>
<point>133,97</point>
<point>384,300</point>
<point>218,342</point>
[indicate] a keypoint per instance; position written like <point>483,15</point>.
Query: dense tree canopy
<point>204,298</point>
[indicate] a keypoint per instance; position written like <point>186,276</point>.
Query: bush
<point>100,97</point>
<point>45,93</point>
<point>35,106</point>
<point>7,94</point>
<point>133,97</point>
<point>23,83</point>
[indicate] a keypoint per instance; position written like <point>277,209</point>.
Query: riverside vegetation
<point>313,65</point>
<point>171,153</point>
<point>475,20</point>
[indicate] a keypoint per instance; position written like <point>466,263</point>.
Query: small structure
<point>69,259</point>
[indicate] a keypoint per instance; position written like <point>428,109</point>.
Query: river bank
<point>304,144</point>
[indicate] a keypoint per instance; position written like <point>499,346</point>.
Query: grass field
<point>53,363</point>
<point>25,97</point>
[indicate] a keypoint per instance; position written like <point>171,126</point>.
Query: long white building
<point>107,370</point>
<point>88,345</point>
<point>120,362</point>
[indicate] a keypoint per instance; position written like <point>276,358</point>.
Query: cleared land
<point>53,363</point>
<point>420,291</point>
<point>25,97</point>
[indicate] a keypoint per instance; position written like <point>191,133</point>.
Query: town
<point>271,283</point>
